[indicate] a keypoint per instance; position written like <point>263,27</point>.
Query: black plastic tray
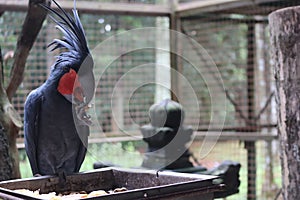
<point>141,184</point>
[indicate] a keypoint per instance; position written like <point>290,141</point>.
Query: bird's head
<point>73,68</point>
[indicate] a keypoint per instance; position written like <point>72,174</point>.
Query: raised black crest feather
<point>74,39</point>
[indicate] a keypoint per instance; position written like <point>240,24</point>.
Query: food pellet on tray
<point>70,195</point>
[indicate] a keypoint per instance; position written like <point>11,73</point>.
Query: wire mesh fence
<point>232,44</point>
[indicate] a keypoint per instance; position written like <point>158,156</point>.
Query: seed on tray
<point>96,193</point>
<point>122,189</point>
<point>68,195</point>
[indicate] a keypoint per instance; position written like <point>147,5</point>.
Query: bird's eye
<point>66,69</point>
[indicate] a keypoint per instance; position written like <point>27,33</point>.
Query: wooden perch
<point>240,112</point>
<point>265,106</point>
<point>237,108</point>
<point>31,27</point>
<point>1,68</point>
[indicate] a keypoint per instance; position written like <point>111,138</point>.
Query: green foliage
<point>119,154</point>
<point>226,43</point>
<point>10,27</point>
<point>124,154</point>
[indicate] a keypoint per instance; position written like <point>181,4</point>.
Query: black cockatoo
<point>56,125</point>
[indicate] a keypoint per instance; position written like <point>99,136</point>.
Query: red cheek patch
<point>68,82</point>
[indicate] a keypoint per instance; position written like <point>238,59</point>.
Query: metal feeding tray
<point>140,184</point>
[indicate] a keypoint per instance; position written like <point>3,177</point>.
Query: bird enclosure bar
<point>225,38</point>
<point>250,146</point>
<point>98,7</point>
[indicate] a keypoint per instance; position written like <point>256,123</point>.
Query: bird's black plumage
<point>55,126</point>
<point>74,39</point>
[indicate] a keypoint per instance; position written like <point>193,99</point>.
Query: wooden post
<point>285,42</point>
<point>174,60</point>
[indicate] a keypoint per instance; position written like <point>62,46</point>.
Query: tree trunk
<point>10,121</point>
<point>30,29</point>
<point>285,41</point>
<point>6,161</point>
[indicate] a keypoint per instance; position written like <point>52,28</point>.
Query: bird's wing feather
<point>83,132</point>
<point>31,118</point>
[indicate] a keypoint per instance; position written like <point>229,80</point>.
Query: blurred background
<point>234,43</point>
